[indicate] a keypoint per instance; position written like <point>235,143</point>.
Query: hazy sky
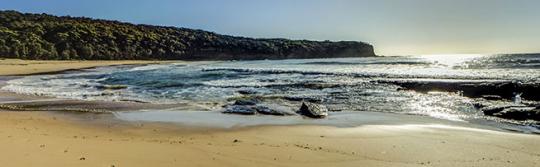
<point>394,27</point>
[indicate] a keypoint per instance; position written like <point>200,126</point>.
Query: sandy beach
<point>27,67</point>
<point>47,138</point>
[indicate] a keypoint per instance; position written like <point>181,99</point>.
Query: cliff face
<point>42,36</point>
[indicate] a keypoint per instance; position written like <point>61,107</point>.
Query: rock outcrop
<point>518,112</point>
<point>313,110</point>
<point>252,106</point>
<point>474,89</point>
<point>273,109</point>
<point>240,109</point>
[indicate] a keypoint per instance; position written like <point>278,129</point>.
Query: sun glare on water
<point>450,60</point>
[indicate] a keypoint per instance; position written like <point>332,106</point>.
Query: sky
<point>394,27</point>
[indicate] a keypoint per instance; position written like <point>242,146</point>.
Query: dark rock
<point>313,110</point>
<point>513,111</point>
<point>264,110</point>
<point>247,92</point>
<point>519,113</point>
<point>478,105</point>
<point>240,109</point>
<point>252,106</point>
<point>491,110</point>
<point>246,102</point>
<point>295,98</point>
<point>472,88</point>
<point>492,97</point>
<point>107,94</point>
<point>272,109</point>
<point>318,85</point>
<point>112,87</point>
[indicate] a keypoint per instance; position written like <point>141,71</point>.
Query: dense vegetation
<point>42,36</point>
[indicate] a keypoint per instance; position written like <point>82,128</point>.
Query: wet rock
<point>247,92</point>
<point>472,88</point>
<point>313,110</point>
<point>240,109</point>
<point>246,102</point>
<point>513,111</point>
<point>479,105</point>
<point>273,109</point>
<point>519,113</point>
<point>295,98</point>
<point>267,111</point>
<point>492,97</point>
<point>319,85</point>
<point>107,94</point>
<point>250,106</point>
<point>112,87</point>
<point>491,110</point>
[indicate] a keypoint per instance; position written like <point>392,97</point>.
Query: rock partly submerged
<point>313,110</point>
<point>519,113</point>
<point>248,106</point>
<point>498,91</point>
<point>246,102</point>
<point>255,106</point>
<point>512,111</point>
<point>473,88</point>
<point>491,110</point>
<point>274,109</point>
<point>112,87</point>
<point>240,109</point>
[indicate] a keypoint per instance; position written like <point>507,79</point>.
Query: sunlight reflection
<point>438,105</point>
<point>450,60</point>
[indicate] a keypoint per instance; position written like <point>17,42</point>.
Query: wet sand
<point>48,138</point>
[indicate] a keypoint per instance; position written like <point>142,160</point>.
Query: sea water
<point>342,84</point>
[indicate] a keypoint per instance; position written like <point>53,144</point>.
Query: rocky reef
<point>474,89</point>
<point>511,100</point>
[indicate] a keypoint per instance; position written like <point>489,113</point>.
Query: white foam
<point>148,67</point>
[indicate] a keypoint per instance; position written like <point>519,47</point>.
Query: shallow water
<point>348,84</point>
<point>216,119</point>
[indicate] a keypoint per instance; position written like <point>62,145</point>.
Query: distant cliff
<point>47,37</point>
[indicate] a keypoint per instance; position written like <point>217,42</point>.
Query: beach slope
<point>46,139</point>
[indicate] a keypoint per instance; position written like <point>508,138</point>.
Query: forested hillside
<point>47,37</point>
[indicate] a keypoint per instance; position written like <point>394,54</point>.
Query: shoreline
<point>54,139</point>
<point>57,138</point>
<point>193,116</point>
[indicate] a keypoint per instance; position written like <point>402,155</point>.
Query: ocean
<point>342,85</point>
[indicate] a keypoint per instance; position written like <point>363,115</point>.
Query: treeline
<point>47,37</point>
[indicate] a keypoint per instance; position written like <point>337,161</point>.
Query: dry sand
<point>54,139</point>
<point>46,139</point>
<point>25,67</point>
